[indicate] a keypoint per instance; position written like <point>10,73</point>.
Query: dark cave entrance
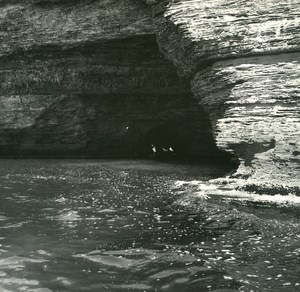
<point>187,140</point>
<point>164,142</point>
<point>118,98</point>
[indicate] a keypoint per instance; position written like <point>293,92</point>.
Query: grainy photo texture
<point>150,145</point>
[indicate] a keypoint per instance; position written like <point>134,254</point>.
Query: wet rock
<point>255,114</point>
<point>243,61</point>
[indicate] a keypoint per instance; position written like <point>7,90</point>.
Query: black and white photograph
<point>149,145</point>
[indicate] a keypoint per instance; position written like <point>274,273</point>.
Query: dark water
<point>124,226</point>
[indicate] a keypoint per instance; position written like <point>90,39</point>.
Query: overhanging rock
<point>86,79</point>
<point>243,62</point>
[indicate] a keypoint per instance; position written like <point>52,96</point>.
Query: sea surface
<point>107,225</point>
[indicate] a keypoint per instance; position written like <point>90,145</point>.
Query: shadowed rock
<point>86,78</point>
<point>83,78</point>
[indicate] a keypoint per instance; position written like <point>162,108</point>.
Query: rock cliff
<point>243,60</point>
<point>95,78</point>
<point>86,78</point>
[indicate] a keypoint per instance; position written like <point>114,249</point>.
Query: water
<point>68,225</point>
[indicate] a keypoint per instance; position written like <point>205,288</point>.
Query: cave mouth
<point>189,141</point>
<point>116,98</point>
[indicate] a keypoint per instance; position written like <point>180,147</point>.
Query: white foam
<point>231,191</point>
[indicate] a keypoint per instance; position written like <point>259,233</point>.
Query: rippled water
<point>68,225</point>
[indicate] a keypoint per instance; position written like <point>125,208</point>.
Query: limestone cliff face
<point>243,62</point>
<point>86,78</point>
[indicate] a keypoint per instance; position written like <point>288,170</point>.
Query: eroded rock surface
<point>194,33</point>
<point>242,59</point>
<point>86,78</point>
<point>255,111</point>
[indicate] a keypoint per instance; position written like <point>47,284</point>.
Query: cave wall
<point>243,59</point>
<point>94,78</point>
<point>86,79</point>
<point>255,111</point>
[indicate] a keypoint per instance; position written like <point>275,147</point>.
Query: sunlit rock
<point>255,112</point>
<point>242,60</point>
<point>90,78</point>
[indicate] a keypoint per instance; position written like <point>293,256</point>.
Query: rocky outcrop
<point>255,111</point>
<point>86,78</point>
<point>243,62</point>
<point>83,78</point>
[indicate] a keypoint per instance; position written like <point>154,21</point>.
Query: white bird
<point>153,148</point>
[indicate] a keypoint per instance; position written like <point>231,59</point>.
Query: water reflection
<point>108,226</point>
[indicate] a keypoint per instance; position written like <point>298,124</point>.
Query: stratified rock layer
<point>86,78</point>
<point>242,59</point>
<point>255,110</point>
<point>194,33</point>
